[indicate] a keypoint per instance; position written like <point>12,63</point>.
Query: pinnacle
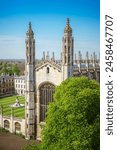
<point>30,26</point>
<point>68,23</point>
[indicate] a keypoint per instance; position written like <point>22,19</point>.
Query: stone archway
<point>6,124</point>
<point>17,127</point>
<point>46,91</point>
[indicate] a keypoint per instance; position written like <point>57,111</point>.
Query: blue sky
<point>48,19</point>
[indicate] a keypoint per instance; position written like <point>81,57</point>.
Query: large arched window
<point>46,96</point>
<point>6,124</point>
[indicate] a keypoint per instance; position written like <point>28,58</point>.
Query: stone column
<point>37,112</point>
<point>53,56</point>
<point>38,116</point>
<point>1,116</point>
<point>87,61</point>
<point>12,116</point>
<point>75,59</point>
<point>79,61</point>
<point>43,55</point>
<point>94,61</point>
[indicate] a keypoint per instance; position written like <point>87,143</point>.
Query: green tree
<point>15,69</point>
<point>10,69</point>
<point>72,121</point>
<point>4,68</point>
<point>31,147</point>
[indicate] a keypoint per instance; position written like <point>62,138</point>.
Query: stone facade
<point>11,123</point>
<point>6,85</point>
<point>42,77</point>
<point>19,85</point>
<point>30,84</point>
<point>10,85</point>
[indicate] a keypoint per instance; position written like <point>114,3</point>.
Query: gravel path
<point>13,142</point>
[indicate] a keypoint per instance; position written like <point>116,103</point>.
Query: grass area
<point>7,101</point>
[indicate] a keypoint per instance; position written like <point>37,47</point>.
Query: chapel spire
<point>67,23</point>
<point>30,26</point>
<point>67,52</point>
<point>30,31</point>
<point>68,29</point>
<point>30,84</point>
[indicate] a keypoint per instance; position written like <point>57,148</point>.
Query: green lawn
<point>18,112</point>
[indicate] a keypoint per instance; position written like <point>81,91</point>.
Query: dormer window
<point>48,70</point>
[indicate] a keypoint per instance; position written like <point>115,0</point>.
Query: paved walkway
<point>13,142</point>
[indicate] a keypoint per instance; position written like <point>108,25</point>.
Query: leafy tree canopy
<point>72,121</point>
<point>15,69</point>
<point>10,69</point>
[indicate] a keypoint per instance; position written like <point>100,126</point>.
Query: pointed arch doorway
<point>46,91</point>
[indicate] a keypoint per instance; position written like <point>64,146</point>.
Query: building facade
<point>10,85</point>
<point>42,77</point>
<point>6,85</point>
<point>19,85</point>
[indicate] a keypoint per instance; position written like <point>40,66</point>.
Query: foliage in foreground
<point>31,147</point>
<point>73,118</point>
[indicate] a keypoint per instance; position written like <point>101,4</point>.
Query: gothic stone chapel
<point>44,75</point>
